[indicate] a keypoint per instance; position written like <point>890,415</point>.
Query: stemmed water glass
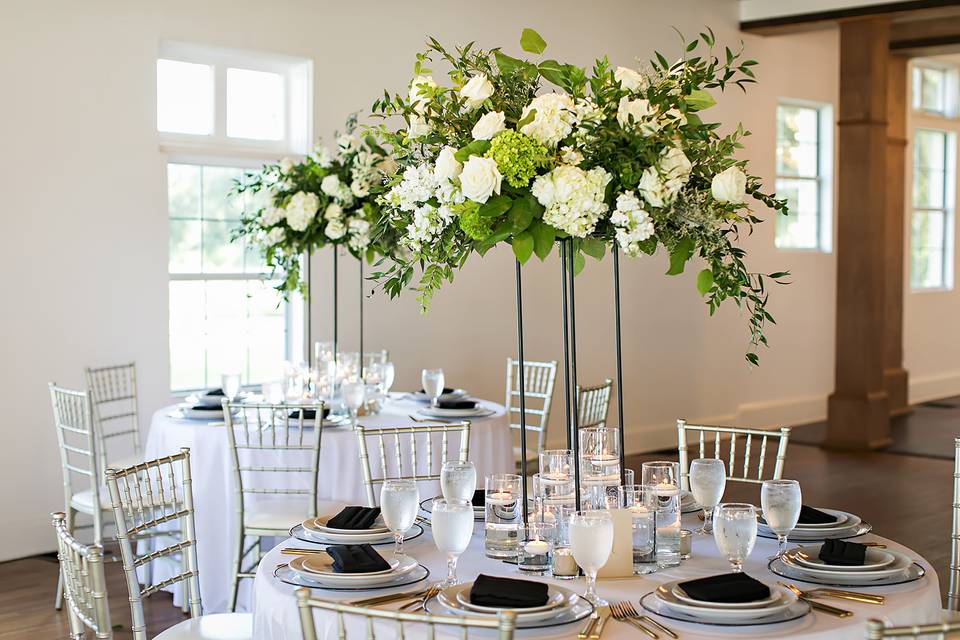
<point>231,385</point>
<point>458,480</point>
<point>591,540</point>
<point>781,501</point>
<point>432,380</point>
<point>735,531</point>
<point>452,524</point>
<point>708,479</point>
<point>354,394</point>
<point>399,503</point>
<point>388,372</point>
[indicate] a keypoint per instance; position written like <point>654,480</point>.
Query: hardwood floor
<point>906,498</point>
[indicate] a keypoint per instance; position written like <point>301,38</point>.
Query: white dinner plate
<point>841,519</point>
<point>318,525</point>
<point>190,413</point>
<point>874,560</point>
<point>664,594</point>
<point>438,412</point>
<point>285,574</point>
<point>682,596</point>
<point>322,565</point>
<point>650,602</point>
<point>574,609</point>
<point>405,565</point>
<point>298,532</point>
<point>554,600</point>
<point>847,529</point>
<point>900,563</point>
<point>448,598</point>
<point>209,401</point>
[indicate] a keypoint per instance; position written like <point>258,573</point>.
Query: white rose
<point>478,89</point>
<point>480,178</point>
<point>677,116</point>
<point>417,87</point>
<point>633,112</point>
<point>651,187</point>
<point>629,79</point>
<point>301,210</point>
<point>489,125</point>
<point>335,229</point>
<point>276,236</point>
<point>730,185</point>
<point>333,212</point>
<point>271,216</point>
<point>674,164</point>
<point>448,167</point>
<point>360,188</point>
<point>330,185</point>
<point>348,143</point>
<point>286,164</point>
<point>418,127</point>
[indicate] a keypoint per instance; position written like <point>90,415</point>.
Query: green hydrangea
<point>475,226</point>
<point>518,157</point>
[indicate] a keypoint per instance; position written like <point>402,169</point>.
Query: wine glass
<point>452,524</point>
<point>432,380</point>
<point>708,479</point>
<point>591,539</point>
<point>354,394</point>
<point>399,503</point>
<point>389,372</point>
<point>735,531</point>
<point>231,385</point>
<point>458,480</point>
<point>781,500</point>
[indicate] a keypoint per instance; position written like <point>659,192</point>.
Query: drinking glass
<point>399,503</point>
<point>708,479</point>
<point>735,531</point>
<point>389,373</point>
<point>452,525</point>
<point>556,464</point>
<point>322,352</point>
<point>781,500</point>
<point>458,480</point>
<point>664,479</point>
<point>502,515</point>
<point>354,394</point>
<point>640,501</point>
<point>535,546</point>
<point>231,385</point>
<point>432,380</point>
<point>591,539</point>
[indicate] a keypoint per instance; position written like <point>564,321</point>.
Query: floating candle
<point>536,547</point>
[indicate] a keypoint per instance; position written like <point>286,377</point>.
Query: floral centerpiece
<point>323,199</point>
<point>529,153</point>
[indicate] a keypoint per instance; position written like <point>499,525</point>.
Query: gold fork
<point>420,602</point>
<point>819,606</point>
<point>619,612</point>
<point>628,606</point>
<point>867,598</point>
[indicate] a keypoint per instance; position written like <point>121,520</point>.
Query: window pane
<point>929,171</point>
<point>929,149</point>
<point>220,254</point>
<point>183,190</point>
<point>255,104</point>
<point>798,230</point>
<point>184,97</point>
<point>185,246</point>
<point>187,354</point>
<point>915,85</point>
<point>218,201</point>
<point>797,159</point>
<point>797,124</point>
<point>927,249</point>
<point>933,89</point>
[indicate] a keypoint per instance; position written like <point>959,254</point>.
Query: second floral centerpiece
<point>528,153</point>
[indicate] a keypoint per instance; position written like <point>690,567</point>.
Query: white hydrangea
<point>335,229</point>
<point>301,210</point>
<point>322,156</point>
<point>330,185</point>
<point>271,216</point>
<point>275,236</point>
<point>573,198</point>
<point>553,121</point>
<point>569,155</point>
<point>633,224</point>
<point>359,230</point>
<point>417,186</point>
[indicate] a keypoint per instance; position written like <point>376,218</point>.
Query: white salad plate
<point>665,594</point>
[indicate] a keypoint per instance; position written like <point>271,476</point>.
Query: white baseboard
<point>941,385</point>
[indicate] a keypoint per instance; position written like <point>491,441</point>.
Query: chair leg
<point>58,598</point>
<point>184,592</point>
<point>235,577</point>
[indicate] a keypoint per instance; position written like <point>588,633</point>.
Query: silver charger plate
<point>283,573</point>
<point>910,574</point>
<point>862,528</point>
<point>298,532</point>
<point>441,414</point>
<point>797,610</point>
<point>578,611</point>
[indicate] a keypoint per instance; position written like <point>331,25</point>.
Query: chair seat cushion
<point>282,514</point>
<point>216,626</point>
<point>82,501</point>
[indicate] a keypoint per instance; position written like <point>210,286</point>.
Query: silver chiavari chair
<point>539,379</point>
<point>270,452</point>
<point>424,625</point>
<point>733,433</point>
<point>877,631</point>
<point>154,494</point>
<point>406,464</point>
<point>953,592</point>
<point>84,584</point>
<point>113,394</point>
<point>593,404</point>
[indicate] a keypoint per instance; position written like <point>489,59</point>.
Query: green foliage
<point>531,41</point>
<point>523,246</point>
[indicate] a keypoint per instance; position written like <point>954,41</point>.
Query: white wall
<point>86,235</point>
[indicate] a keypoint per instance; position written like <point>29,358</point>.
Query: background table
<point>275,615</point>
<point>340,479</point>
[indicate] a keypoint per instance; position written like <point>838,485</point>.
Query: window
<point>934,87</point>
<point>804,161</point>
<point>931,228</point>
<point>219,114</point>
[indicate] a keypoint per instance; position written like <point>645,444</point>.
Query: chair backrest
<point>365,628</point>
<point>406,464</point>
<point>953,592</point>
<point>539,379</point>
<point>113,395</point>
<point>149,495</point>
<point>84,584</point>
<point>281,430</point>
<point>73,420</point>
<point>593,404</point>
<point>782,435</point>
<point>877,631</point>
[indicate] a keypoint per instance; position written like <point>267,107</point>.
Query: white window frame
<point>824,176</point>
<point>951,88</point>
<point>948,210</point>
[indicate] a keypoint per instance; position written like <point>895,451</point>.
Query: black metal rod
<point>362,372</point>
<point>336,353</point>
<point>306,310</point>
<point>523,397</point>
<point>573,371</point>
<point>566,343</point>
<point>619,354</point>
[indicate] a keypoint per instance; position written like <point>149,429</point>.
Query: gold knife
<point>826,608</point>
<point>587,628</point>
<point>367,602</point>
<point>604,613</point>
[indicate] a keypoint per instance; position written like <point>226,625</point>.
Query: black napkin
<point>727,587</point>
<point>479,498</point>
<point>356,558</point>
<point>843,553</point>
<point>507,593</point>
<point>445,391</point>
<point>354,518</point>
<point>309,414</point>
<point>207,407</point>
<point>456,403</point>
<point>215,392</point>
<point>809,515</point>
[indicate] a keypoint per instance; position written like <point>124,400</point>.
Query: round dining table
<point>340,478</point>
<point>276,616</point>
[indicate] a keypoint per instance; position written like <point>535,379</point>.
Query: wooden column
<point>857,415</point>
<point>894,375</point>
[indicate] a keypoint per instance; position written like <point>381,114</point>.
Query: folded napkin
<point>508,593</point>
<point>215,392</point>
<point>809,515</point>
<point>356,558</point>
<point>206,407</point>
<point>445,391</point>
<point>842,553</point>
<point>456,403</point>
<point>309,414</point>
<point>479,498</point>
<point>354,518</point>
<point>727,587</point>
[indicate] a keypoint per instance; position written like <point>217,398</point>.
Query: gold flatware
<point>604,613</point>
<point>293,551</point>
<point>588,628</point>
<point>440,420</point>
<point>621,612</point>
<point>420,602</point>
<point>875,545</point>
<point>658,625</point>
<point>819,606</point>
<point>856,596</point>
<point>394,597</point>
<point>422,520</point>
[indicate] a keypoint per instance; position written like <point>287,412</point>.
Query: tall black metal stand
<point>616,315</point>
<point>523,397</point>
<point>361,317</point>
<point>308,346</point>
<point>569,304</point>
<point>336,356</point>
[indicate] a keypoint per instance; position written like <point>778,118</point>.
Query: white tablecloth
<point>275,615</point>
<point>341,479</point>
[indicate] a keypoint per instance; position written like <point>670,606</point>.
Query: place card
<point>620,564</point>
